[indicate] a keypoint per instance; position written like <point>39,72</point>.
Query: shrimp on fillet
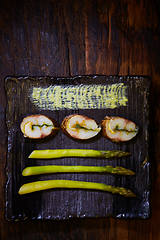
<point>37,126</point>
<point>118,129</point>
<point>80,127</point>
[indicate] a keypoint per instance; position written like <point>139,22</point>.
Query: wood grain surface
<point>66,38</point>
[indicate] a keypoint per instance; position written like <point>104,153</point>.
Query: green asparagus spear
<point>49,184</point>
<point>60,169</point>
<point>59,153</point>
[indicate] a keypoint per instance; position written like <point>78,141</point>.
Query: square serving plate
<point>95,97</point>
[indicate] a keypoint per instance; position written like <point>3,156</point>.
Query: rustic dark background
<point>66,38</point>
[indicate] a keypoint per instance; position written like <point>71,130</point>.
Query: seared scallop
<point>118,129</point>
<point>80,127</point>
<point>37,126</point>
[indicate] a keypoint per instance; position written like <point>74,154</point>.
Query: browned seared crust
<point>64,123</point>
<point>54,131</point>
<point>104,132</point>
<point>103,125</point>
<point>66,119</point>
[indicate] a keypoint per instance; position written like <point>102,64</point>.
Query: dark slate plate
<point>65,204</point>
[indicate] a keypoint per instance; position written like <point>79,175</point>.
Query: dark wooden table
<point>67,38</point>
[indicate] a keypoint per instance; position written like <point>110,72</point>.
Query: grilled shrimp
<point>118,129</point>
<point>37,126</point>
<point>80,127</point>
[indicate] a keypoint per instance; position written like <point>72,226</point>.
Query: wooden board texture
<point>64,204</point>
